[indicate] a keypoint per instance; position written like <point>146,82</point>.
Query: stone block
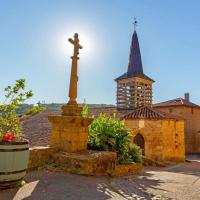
<point>87,162</point>
<point>124,170</point>
<point>69,133</point>
<point>40,155</point>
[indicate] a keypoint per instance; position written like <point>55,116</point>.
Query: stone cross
<point>74,75</point>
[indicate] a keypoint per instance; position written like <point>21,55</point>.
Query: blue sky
<point>34,46</point>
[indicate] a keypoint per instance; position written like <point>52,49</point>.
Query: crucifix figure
<point>74,75</point>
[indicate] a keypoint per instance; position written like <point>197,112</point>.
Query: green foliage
<point>35,110</point>
<point>14,96</point>
<point>20,184</point>
<point>85,110</point>
<point>22,108</point>
<point>135,153</point>
<point>110,134</point>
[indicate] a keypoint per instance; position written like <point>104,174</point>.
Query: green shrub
<point>135,152</point>
<point>14,96</point>
<point>85,110</point>
<point>35,110</point>
<point>110,134</point>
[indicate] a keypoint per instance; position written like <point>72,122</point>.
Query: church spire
<point>135,62</point>
<point>134,88</point>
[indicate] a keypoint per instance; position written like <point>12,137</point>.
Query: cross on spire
<point>135,23</point>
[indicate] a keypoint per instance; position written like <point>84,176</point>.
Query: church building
<point>159,134</point>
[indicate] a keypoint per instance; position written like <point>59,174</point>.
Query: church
<point>165,131</point>
<point>159,134</point>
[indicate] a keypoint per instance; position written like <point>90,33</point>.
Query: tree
<point>14,96</point>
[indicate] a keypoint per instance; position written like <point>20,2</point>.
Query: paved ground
<point>180,182</point>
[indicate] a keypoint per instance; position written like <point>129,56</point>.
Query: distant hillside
<point>57,107</point>
<point>22,108</point>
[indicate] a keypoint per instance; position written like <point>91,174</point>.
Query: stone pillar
<point>69,133</point>
<point>70,130</point>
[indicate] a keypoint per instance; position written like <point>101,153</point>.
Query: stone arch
<point>139,140</point>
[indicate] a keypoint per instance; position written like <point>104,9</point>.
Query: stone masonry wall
<point>161,138</point>
<point>151,131</point>
<point>192,126</point>
<point>173,140</point>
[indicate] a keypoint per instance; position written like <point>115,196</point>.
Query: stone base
<point>123,170</point>
<point>40,155</point>
<point>87,162</point>
<point>71,110</point>
<point>69,133</point>
<point>99,163</point>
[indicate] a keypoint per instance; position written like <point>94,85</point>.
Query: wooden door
<point>139,140</point>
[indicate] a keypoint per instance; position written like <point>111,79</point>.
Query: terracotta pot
<point>14,157</point>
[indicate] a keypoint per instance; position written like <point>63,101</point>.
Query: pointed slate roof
<point>135,61</point>
<point>135,68</point>
<point>176,102</point>
<point>145,112</point>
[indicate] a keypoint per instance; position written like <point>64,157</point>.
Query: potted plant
<point>14,150</point>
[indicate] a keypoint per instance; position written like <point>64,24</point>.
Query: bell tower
<point>134,88</point>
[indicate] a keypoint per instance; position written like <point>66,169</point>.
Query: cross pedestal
<point>69,133</point>
<point>71,110</point>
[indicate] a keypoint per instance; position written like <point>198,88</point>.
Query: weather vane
<point>135,23</point>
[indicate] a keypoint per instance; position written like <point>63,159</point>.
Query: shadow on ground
<point>191,167</point>
<point>139,186</point>
<point>180,181</point>
<point>62,186</point>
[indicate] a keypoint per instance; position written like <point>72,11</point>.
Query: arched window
<point>139,140</point>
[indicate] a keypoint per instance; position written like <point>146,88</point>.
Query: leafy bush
<point>135,153</point>
<point>110,134</point>
<point>35,110</point>
<point>14,96</point>
<point>10,116</point>
<point>22,108</point>
<point>85,110</point>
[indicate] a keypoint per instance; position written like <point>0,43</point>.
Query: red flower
<point>8,137</point>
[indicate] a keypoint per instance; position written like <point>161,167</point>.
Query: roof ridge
<point>147,112</point>
<point>176,102</point>
<point>158,112</point>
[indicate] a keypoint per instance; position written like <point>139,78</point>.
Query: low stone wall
<point>96,163</point>
<point>123,170</point>
<point>40,155</point>
<point>151,162</point>
<point>87,162</point>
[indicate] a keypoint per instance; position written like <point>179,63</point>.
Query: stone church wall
<point>164,139</point>
<point>173,140</point>
<point>192,126</point>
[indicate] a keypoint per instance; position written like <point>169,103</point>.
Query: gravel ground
<point>180,182</point>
